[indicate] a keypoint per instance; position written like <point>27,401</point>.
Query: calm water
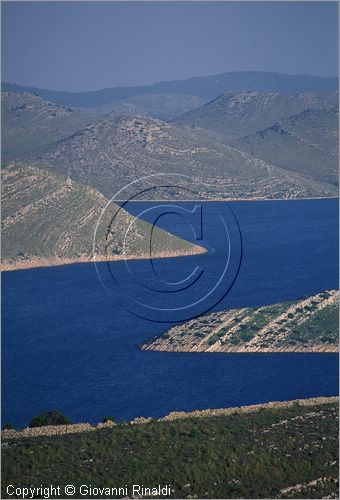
<point>68,345</point>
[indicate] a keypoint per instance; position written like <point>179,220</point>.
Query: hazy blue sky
<point>91,45</point>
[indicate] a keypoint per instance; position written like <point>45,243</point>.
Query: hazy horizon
<point>161,81</point>
<point>84,46</point>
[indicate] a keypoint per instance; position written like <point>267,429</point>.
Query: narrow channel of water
<point>68,345</point>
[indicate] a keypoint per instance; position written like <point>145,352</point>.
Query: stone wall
<point>57,430</point>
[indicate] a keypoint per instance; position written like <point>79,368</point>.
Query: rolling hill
<point>106,153</point>
<point>50,219</point>
<point>109,154</point>
<point>30,122</point>
<point>237,114</point>
<point>306,143</point>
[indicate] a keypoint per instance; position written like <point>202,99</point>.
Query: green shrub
<point>49,418</point>
<point>9,426</point>
<point>107,419</point>
<point>199,335</point>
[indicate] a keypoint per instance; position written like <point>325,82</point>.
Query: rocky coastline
<point>17,265</point>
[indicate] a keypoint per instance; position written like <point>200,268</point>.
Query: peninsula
<point>306,325</point>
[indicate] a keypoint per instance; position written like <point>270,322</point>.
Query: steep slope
<point>50,219</point>
<point>29,122</point>
<point>206,87</point>
<point>307,143</point>
<point>110,154</point>
<point>236,114</point>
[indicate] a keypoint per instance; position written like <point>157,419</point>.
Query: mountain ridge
<point>237,114</point>
<point>206,87</point>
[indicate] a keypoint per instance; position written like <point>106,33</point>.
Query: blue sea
<point>69,343</point>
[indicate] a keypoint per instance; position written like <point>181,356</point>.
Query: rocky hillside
<point>30,122</point>
<point>49,219</point>
<point>109,154</point>
<point>307,325</point>
<point>237,114</point>
<point>307,143</point>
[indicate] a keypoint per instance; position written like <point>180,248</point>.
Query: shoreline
<point>268,329</point>
<point>58,430</point>
<point>333,349</point>
<point>227,200</point>
<point>45,262</point>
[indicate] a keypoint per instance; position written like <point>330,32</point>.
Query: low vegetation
<point>108,419</point>
<point>49,418</point>
<point>9,426</point>
<point>35,201</point>
<point>108,151</point>
<point>289,452</point>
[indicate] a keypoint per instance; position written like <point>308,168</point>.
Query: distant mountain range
<point>162,106</point>
<point>204,87</point>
